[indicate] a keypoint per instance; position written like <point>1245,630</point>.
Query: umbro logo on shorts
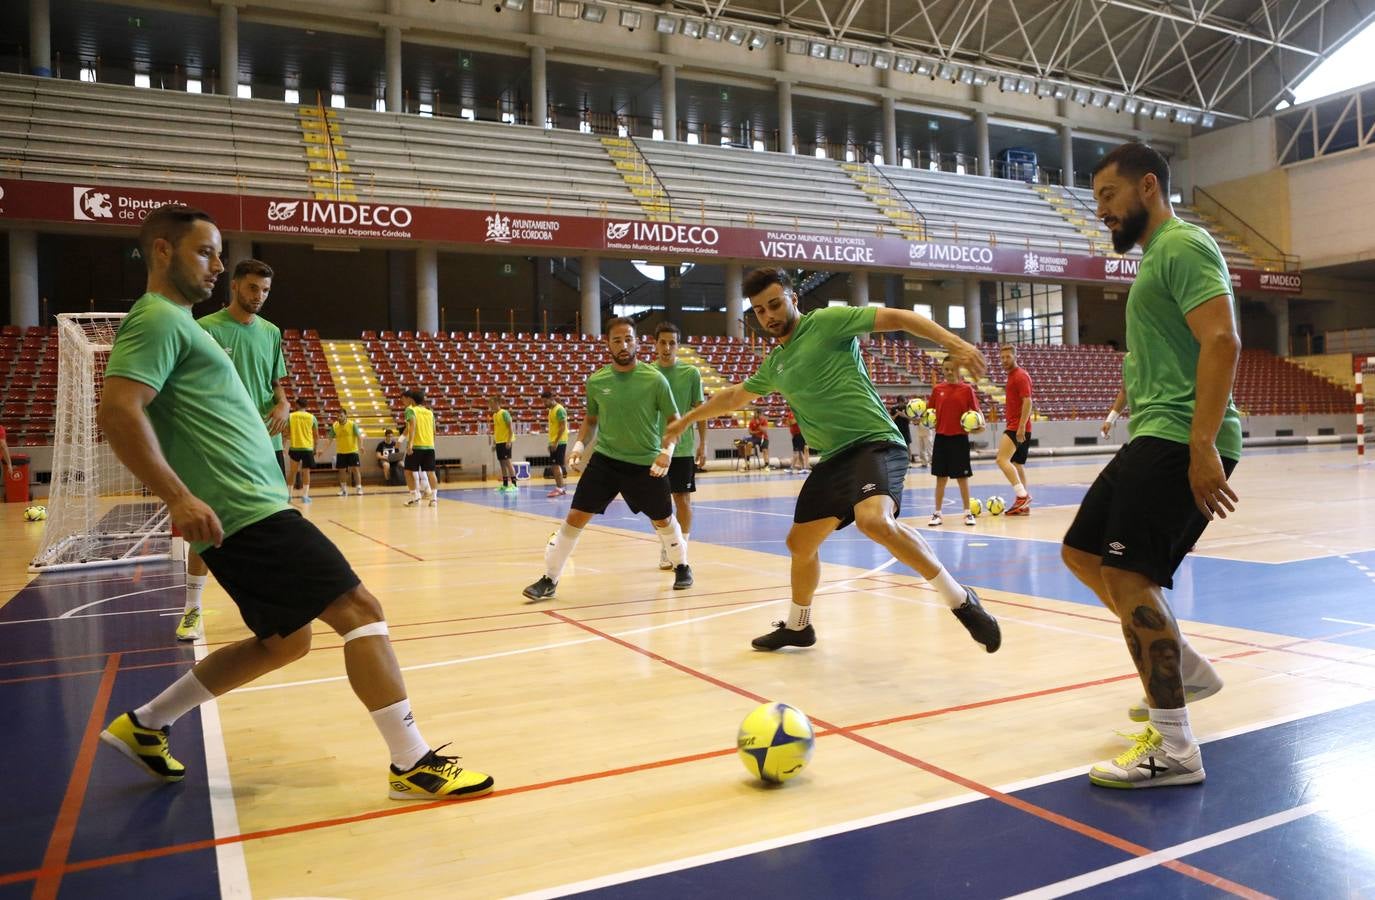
<point>1116,548</point>
<point>868,487</point>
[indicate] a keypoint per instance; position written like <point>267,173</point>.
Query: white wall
<point>1229,154</point>
<point>1329,204</point>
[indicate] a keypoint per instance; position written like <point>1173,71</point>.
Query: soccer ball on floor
<point>915,407</point>
<point>975,507</point>
<point>972,421</point>
<point>35,514</point>
<point>995,505</point>
<point>775,742</point>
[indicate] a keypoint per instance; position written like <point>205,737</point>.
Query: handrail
<point>1290,261</point>
<point>892,186</point>
<point>657,180</point>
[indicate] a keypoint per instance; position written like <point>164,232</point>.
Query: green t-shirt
<point>1181,269</point>
<point>208,427</point>
<point>686,384</point>
<point>631,409</point>
<point>821,374</point>
<point>255,350</point>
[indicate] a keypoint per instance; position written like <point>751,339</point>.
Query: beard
<point>188,284</point>
<point>1130,230</point>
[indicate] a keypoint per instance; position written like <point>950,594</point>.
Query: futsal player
<point>686,384</point>
<point>254,347</point>
<point>951,399</point>
<point>628,405</point>
<point>558,442</point>
<point>177,414</point>
<point>818,369</point>
<point>1154,499</point>
<point>502,442</point>
<point>1015,441</point>
<point>304,431</point>
<point>347,439</point>
<point>420,460</point>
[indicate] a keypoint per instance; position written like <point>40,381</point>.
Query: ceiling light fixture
<point>882,61</point>
<point>630,19</point>
<point>666,24</point>
<point>714,31</point>
<point>692,28</point>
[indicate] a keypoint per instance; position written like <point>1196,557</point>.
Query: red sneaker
<point>1020,507</point>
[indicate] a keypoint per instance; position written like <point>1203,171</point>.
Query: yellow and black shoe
<point>190,628</point>
<point>436,777</point>
<point>146,747</point>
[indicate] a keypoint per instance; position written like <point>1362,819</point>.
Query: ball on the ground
<point>928,418</point>
<point>35,514</point>
<point>975,507</point>
<point>973,420</point>
<point>996,505</point>
<point>775,742</point>
<point>915,407</point>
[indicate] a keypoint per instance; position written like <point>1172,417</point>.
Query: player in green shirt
<point>818,369</point>
<point>686,383</point>
<point>177,414</point>
<point>628,405</point>
<point>1151,503</point>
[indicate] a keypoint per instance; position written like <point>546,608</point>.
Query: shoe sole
<point>665,567</point>
<point>114,740</point>
<point>1167,781</point>
<point>476,790</point>
<point>682,585</point>
<point>536,598</point>
<point>1143,713</point>
<point>188,638</point>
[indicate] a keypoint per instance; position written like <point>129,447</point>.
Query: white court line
<point>85,606</point>
<point>122,612</point>
<point>224,815</point>
<point>1142,863</point>
<point>753,512</point>
<point>1348,622</point>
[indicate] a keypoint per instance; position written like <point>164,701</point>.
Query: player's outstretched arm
<point>725,400</point>
<point>131,437</point>
<point>961,351</point>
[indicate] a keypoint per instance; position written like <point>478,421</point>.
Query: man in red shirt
<point>950,449</point>
<point>759,436</point>
<point>1016,438</point>
<point>800,453</point>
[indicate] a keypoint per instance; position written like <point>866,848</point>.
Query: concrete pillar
<point>23,278</point>
<point>426,289</point>
<point>1069,304</point>
<point>785,117</point>
<point>393,64</point>
<point>591,268</point>
<point>890,132</point>
<point>859,288</point>
<point>894,295</point>
<point>668,89</point>
<point>40,39</point>
<point>735,300</point>
<point>981,144</point>
<point>1066,146</point>
<point>539,88</point>
<point>229,50</point>
<point>1279,308</point>
<point>236,249</point>
<point>973,310</point>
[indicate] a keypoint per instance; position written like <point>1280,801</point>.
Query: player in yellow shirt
<point>302,428</point>
<point>558,442</point>
<point>419,446</point>
<point>502,441</point>
<point>347,436</point>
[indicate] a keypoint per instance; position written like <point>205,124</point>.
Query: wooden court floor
<point>608,715</point>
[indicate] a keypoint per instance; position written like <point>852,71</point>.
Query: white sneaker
<point>1147,764</point>
<point>935,521</point>
<point>431,498</point>
<point>358,492</point>
<point>343,491</point>
<point>969,519</point>
<point>1142,711</point>
<point>414,500</point>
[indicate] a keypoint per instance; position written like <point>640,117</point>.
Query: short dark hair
<point>168,222</point>
<point>1136,160</point>
<point>618,321</point>
<point>759,279</point>
<point>300,402</point>
<point>387,432</point>
<point>547,394</point>
<point>252,267</point>
<point>669,327</point>
<point>416,395</point>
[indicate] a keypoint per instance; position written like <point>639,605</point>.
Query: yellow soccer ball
<point>775,742</point>
<point>928,418</point>
<point>972,421</point>
<point>995,505</point>
<point>975,507</point>
<point>35,514</point>
<point>915,407</point>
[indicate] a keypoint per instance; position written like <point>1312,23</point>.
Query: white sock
<point>1173,724</point>
<point>556,553</point>
<point>948,588</point>
<point>415,495</point>
<point>194,585</point>
<point>799,617</point>
<point>671,539</point>
<point>422,482</point>
<point>404,743</point>
<point>184,695</point>
<point>1019,489</point>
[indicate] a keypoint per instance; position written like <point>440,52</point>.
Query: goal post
<point>1359,365</point>
<point>99,514</point>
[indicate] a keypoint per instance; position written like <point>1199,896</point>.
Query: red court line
<point>64,829</point>
<point>1046,815</point>
<point>376,541</point>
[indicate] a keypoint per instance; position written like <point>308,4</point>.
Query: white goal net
<point>99,514</point>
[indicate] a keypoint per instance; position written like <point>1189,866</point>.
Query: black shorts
<point>799,443</point>
<point>950,456</point>
<point>345,460</point>
<point>503,451</point>
<point>281,572</point>
<point>1139,514</point>
<point>837,484</point>
<point>559,456</point>
<point>682,475</point>
<point>605,477</point>
<point>420,460</point>
<point>1021,450</point>
<point>304,457</point>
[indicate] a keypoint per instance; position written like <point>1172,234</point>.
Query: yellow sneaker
<point>145,747</point>
<point>436,777</point>
<point>191,628</point>
<point>1148,764</point>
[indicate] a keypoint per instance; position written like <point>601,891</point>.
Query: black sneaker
<point>783,636</point>
<point>682,577</point>
<point>541,590</point>
<point>981,626</point>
